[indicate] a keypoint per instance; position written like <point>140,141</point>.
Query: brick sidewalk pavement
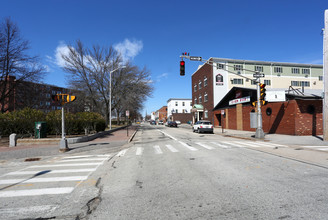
<point>121,135</point>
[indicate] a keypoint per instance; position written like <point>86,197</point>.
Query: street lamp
<point>110,95</point>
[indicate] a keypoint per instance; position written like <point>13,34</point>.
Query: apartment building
<point>175,105</point>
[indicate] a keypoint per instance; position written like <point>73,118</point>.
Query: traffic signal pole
<point>259,131</point>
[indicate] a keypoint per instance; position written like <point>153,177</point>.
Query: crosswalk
<point>180,146</point>
<point>41,179</point>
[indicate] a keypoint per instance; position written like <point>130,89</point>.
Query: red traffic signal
<point>262,91</point>
<point>182,68</point>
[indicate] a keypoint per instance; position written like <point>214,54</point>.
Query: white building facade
<point>178,106</point>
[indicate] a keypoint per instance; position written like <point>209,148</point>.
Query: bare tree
<point>89,71</point>
<point>15,62</point>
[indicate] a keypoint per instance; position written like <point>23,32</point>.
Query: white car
<point>202,126</point>
<point>178,122</point>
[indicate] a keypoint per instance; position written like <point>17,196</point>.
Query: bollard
<point>13,140</point>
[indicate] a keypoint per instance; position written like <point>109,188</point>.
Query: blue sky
<point>153,34</point>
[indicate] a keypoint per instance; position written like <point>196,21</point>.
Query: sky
<point>153,34</point>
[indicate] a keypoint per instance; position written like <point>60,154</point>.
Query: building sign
<point>241,100</point>
<point>275,96</point>
<point>219,79</point>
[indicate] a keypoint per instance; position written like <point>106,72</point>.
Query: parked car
<point>203,126</point>
<point>160,122</point>
<point>178,122</point>
<point>172,124</point>
<point>153,122</point>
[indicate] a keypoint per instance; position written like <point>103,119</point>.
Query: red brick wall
<point>291,118</point>
<point>182,117</point>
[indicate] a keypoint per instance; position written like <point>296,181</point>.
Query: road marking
<point>37,192</point>
<point>168,135</point>
<point>233,144</point>
<point>269,144</point>
<point>35,172</point>
<point>43,180</point>
<point>122,153</point>
<point>139,150</point>
<point>66,165</point>
<point>85,159</point>
<point>187,146</point>
<point>85,156</point>
<point>221,145</point>
<point>158,150</point>
<point>205,146</point>
<point>29,209</point>
<point>171,148</point>
<point>247,144</point>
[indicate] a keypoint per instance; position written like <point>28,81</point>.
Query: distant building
<point>33,95</point>
<point>210,83</point>
<point>175,105</point>
<point>161,114</point>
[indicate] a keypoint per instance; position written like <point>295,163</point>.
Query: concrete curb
<point>132,135</point>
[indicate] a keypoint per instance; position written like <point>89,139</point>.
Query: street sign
<point>258,75</point>
<point>193,58</point>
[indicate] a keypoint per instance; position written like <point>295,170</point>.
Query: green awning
<point>197,107</point>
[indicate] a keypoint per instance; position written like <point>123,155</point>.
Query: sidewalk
<point>121,135</point>
<point>275,138</point>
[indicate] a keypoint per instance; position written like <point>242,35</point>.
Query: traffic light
<point>182,68</point>
<point>262,92</point>
<point>63,98</point>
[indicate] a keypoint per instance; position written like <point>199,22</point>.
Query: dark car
<point>153,122</point>
<point>172,124</point>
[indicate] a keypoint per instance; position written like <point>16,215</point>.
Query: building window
<point>176,103</point>
<point>183,103</point>
<point>220,66</point>
<point>253,82</point>
<point>206,114</point>
<point>47,95</point>
<point>205,81</point>
<point>267,82</point>
<point>190,103</point>
<point>48,103</point>
<point>320,78</point>
<point>305,71</point>
<point>195,87</point>
<point>195,101</point>
<point>237,81</point>
<point>53,92</point>
<point>176,110</point>
<point>258,68</point>
<point>300,83</point>
<point>237,67</point>
<point>296,70</point>
<point>205,97</point>
<point>200,99</point>
<point>199,85</point>
<point>277,69</point>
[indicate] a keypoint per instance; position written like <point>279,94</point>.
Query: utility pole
<point>325,77</point>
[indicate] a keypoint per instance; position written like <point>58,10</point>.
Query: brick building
<point>161,114</point>
<point>300,114</point>
<point>34,95</point>
<point>213,80</point>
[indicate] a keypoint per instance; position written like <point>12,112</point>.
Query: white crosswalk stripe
<point>122,153</point>
<point>171,148</point>
<point>220,145</point>
<point>139,151</point>
<point>157,149</point>
<point>187,146</point>
<point>321,148</point>
<point>205,146</point>
<point>39,178</point>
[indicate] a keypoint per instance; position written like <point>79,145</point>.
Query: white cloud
<point>61,49</point>
<point>162,76</point>
<point>129,48</point>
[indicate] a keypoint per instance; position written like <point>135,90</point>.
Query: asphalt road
<point>164,173</point>
<point>171,173</point>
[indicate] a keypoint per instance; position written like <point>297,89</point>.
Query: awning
<point>197,108</point>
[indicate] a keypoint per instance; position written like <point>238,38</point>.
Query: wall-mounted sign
<point>219,80</point>
<point>241,100</point>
